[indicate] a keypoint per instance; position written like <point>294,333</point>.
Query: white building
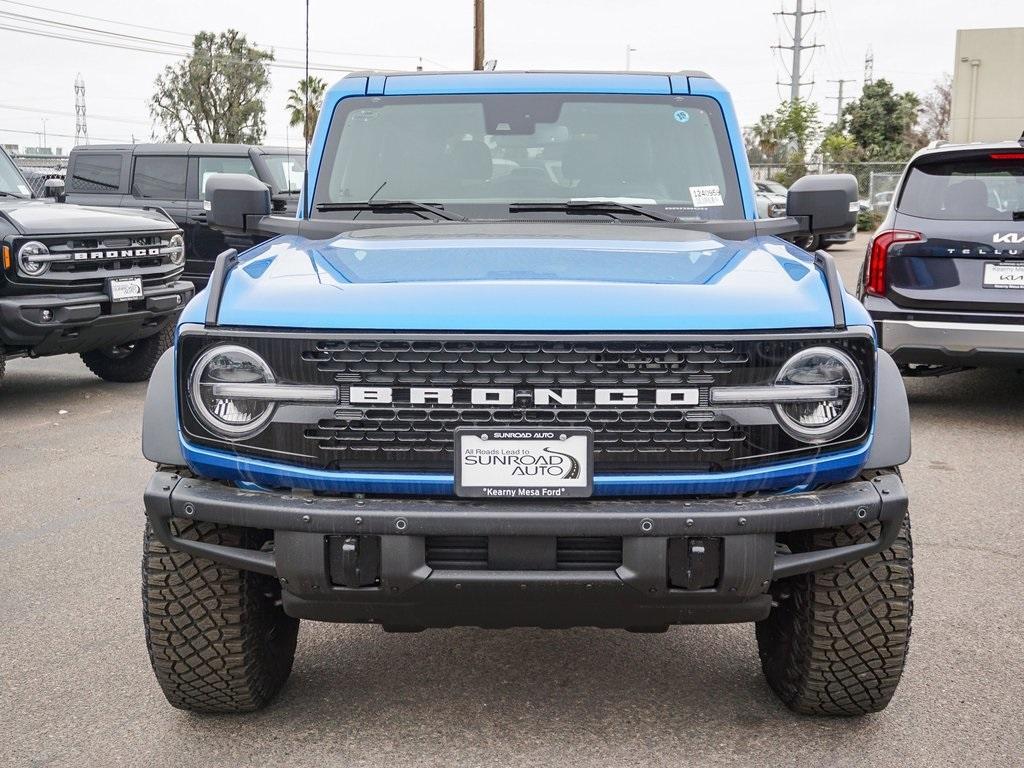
<point>988,85</point>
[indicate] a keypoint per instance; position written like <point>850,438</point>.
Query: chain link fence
<point>876,180</point>
<point>38,168</point>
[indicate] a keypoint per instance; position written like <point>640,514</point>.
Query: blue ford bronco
<point>527,357</point>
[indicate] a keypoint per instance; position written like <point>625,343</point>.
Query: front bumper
<point>84,321</point>
<point>638,593</point>
<point>947,342</point>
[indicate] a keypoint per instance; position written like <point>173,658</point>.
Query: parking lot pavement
<point>76,689</point>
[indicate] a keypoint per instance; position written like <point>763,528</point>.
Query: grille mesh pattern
<point>641,437</point>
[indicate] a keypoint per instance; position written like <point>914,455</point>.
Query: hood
<point>46,217</point>
<point>507,277</point>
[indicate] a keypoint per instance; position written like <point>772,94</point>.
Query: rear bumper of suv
<point>81,322</point>
<point>412,563</point>
<point>948,336</point>
<point>952,343</point>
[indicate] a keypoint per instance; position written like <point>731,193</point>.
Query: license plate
<point>527,463</point>
<point>1004,275</point>
<point>125,288</point>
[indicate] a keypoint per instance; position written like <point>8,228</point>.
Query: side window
<point>96,173</point>
<point>159,177</point>
<point>210,165</point>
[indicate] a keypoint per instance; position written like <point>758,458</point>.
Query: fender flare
<point>160,442</point>
<point>891,444</point>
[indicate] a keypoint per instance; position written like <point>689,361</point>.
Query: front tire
<point>837,639</point>
<point>218,638</point>
<point>130,362</point>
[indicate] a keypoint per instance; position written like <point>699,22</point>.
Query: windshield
<point>497,149</point>
<point>988,187</point>
<point>11,180</point>
<point>286,171</point>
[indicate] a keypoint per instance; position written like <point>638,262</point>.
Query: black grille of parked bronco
<point>641,437</point>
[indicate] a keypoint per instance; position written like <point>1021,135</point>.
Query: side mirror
<point>232,197</point>
<point>54,188</point>
<point>824,203</point>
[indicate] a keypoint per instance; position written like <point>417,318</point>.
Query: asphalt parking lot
<point>76,688</point>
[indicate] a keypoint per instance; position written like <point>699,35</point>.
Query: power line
<point>187,35</point>
<point>797,48</point>
<point>278,64</point>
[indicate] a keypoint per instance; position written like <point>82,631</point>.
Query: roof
<point>185,148</point>
<point>945,147</point>
<point>531,72</point>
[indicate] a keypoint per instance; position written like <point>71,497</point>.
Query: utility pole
<point>869,67</point>
<point>797,48</point>
<point>839,99</point>
<point>478,34</point>
<point>81,130</point>
<point>629,49</point>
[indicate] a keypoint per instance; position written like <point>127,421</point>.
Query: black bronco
<point>99,282</point>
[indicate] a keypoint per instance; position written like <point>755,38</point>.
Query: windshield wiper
<point>393,206</point>
<point>5,193</point>
<point>606,207</point>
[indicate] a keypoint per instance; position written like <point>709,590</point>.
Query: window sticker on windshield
<point>681,116</point>
<point>706,197</point>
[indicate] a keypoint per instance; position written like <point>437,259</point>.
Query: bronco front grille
<point>86,261</point>
<point>644,437</point>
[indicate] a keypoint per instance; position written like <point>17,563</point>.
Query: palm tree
<point>304,104</point>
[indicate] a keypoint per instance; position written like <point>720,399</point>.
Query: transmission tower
<point>869,67</point>
<point>81,129</point>
<point>839,99</point>
<point>797,48</point>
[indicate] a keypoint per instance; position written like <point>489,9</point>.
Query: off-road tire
<point>218,639</point>
<point>135,365</point>
<point>837,640</point>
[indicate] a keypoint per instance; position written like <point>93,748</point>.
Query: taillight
<point>874,280</point>
<point>1007,156</point>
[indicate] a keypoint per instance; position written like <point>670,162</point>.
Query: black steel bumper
<point>81,322</point>
<point>637,594</point>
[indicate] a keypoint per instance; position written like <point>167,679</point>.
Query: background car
<point>770,197</point>
<point>944,275</point>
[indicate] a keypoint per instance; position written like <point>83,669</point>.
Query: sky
<point>912,43</point>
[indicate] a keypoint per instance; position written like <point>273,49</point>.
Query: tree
<point>882,122</point>
<point>763,139</point>
<point>784,137</point>
<point>216,94</point>
<point>304,103</point>
<point>935,109</point>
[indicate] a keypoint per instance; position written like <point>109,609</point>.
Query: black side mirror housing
<point>827,202</point>
<point>54,188</point>
<point>232,198</point>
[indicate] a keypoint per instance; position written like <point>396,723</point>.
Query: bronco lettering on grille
<point>507,396</point>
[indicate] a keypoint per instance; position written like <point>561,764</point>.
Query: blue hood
<point>604,277</point>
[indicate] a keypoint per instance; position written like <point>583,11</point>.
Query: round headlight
<point>215,406</point>
<point>27,255</point>
<point>177,247</point>
<point>821,420</point>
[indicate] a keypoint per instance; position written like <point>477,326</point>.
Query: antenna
<point>305,117</point>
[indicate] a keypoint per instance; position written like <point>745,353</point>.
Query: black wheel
<point>130,362</point>
<point>836,641</point>
<point>218,638</point>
